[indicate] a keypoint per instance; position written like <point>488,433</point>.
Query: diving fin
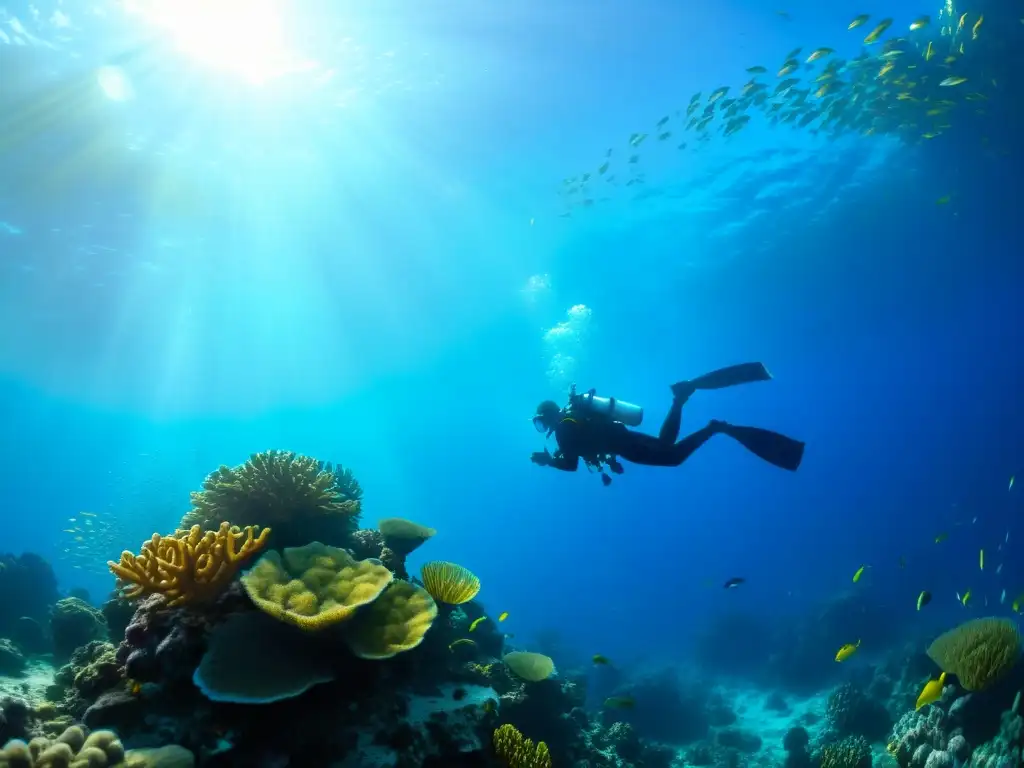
<point>744,373</point>
<point>782,451</point>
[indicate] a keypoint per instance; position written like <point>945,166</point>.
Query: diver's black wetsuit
<point>595,438</point>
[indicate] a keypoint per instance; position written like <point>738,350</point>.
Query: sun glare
<point>244,37</point>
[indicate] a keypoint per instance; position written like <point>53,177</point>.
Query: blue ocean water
<point>367,259</point>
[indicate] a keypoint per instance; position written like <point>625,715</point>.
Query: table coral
<point>315,586</point>
<point>192,568</point>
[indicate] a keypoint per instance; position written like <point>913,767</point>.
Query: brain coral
<point>314,586</point>
<point>397,621</point>
<point>979,652</point>
<point>72,748</point>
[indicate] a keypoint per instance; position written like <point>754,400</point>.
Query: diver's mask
<point>539,425</point>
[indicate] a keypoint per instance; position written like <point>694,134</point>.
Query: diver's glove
<point>541,458</point>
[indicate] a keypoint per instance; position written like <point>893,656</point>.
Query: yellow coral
<point>72,748</point>
<point>314,586</point>
<point>195,567</point>
<point>277,488</point>
<point>532,667</point>
<point>396,621</point>
<point>403,536</point>
<point>851,752</point>
<point>519,752</point>
<point>979,652</point>
<point>449,583</point>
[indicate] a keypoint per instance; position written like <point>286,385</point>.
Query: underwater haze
<point>379,234</point>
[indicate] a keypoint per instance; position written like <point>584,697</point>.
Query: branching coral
<point>449,583</point>
<point>192,568</point>
<point>532,667</point>
<point>519,752</point>
<point>303,499</point>
<point>315,586</point>
<point>979,652</point>
<point>396,621</point>
<point>851,752</point>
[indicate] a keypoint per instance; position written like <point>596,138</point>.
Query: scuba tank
<point>589,404</point>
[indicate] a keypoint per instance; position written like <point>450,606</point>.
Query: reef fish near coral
<point>847,651</point>
<point>931,692</point>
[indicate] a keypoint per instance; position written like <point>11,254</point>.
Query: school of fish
<point>911,80</point>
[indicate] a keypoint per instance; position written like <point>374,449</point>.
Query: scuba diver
<point>597,429</point>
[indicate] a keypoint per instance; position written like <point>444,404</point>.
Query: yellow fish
<point>503,615</point>
<point>476,623</point>
<point>847,651</point>
<point>931,692</point>
<point>819,53</point>
<point>1012,478</point>
<point>960,24</point>
<point>756,70</point>
<point>859,20</point>
<point>981,560</point>
<point>941,538</point>
<point>858,574</point>
<point>953,81</point>
<point>877,32</point>
<point>923,599</point>
<point>920,23</point>
<point>929,52</point>
<point>599,659</point>
<point>887,68</point>
<point>460,641</point>
<point>966,598</point>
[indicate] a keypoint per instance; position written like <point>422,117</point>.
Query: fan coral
<point>396,621</point>
<point>851,752</point>
<point>193,568</point>
<point>314,586</point>
<point>301,497</point>
<point>979,652</point>
<point>449,583</point>
<point>72,748</point>
<point>532,667</point>
<point>519,752</point>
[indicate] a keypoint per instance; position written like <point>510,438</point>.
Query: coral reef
<point>400,538</point>
<point>851,752</point>
<point>979,652</point>
<point>851,712</point>
<point>302,499</point>
<point>93,670</point>
<point>1006,748</point>
<point>74,623</point>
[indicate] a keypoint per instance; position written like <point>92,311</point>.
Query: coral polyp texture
<point>397,621</point>
<point>449,583</point>
<point>516,751</point>
<point>979,652</point>
<point>191,568</point>
<point>302,498</point>
<point>315,586</point>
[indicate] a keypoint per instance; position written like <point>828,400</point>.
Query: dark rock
<point>114,709</point>
<point>12,660</point>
